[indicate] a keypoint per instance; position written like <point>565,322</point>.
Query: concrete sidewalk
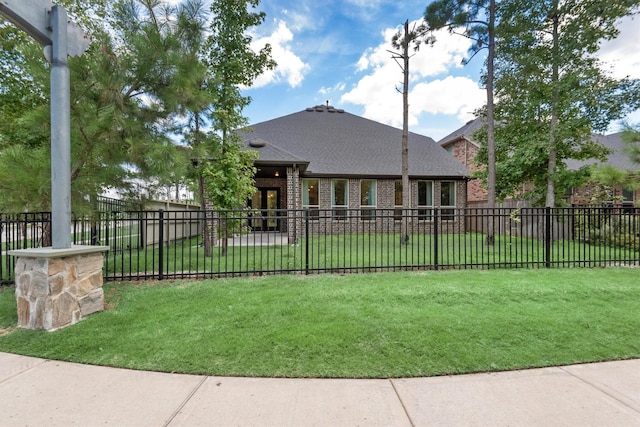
<point>37,392</point>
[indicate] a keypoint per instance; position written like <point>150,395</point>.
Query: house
<point>335,163</point>
<point>619,159</point>
<point>463,147</point>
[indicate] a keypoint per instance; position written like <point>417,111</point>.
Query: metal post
<point>547,237</point>
<point>306,239</point>
<point>60,133</point>
<point>436,230</point>
<point>161,245</point>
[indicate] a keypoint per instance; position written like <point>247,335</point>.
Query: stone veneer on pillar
<point>57,288</point>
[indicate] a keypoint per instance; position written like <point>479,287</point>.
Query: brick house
<point>618,159</point>
<point>462,146</point>
<point>330,161</point>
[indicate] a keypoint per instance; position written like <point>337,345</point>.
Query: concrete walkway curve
<point>38,392</point>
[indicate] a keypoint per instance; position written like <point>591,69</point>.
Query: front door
<point>267,201</point>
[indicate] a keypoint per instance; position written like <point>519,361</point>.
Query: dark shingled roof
<point>336,143</point>
<point>618,158</point>
<point>465,131</point>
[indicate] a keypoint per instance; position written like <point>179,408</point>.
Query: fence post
<point>107,226</point>
<point>161,244</point>
<point>306,241</point>
<point>435,238</point>
<point>2,231</point>
<point>547,237</point>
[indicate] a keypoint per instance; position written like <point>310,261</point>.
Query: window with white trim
<point>627,200</point>
<point>397,204</point>
<point>368,198</point>
<point>425,200</point>
<point>448,200</point>
<point>311,197</point>
<point>339,198</point>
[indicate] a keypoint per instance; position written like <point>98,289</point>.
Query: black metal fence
<point>170,244</point>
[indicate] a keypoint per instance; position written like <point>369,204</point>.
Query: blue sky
<point>337,51</point>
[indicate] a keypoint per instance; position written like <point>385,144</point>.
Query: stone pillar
<point>58,287</point>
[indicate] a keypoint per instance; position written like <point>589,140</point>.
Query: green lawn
<point>360,326</point>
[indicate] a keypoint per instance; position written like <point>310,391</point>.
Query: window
<point>368,199</point>
<point>397,211</point>
<point>425,200</point>
<point>310,197</point>
<point>339,198</point>
<point>627,200</point>
<point>448,200</point>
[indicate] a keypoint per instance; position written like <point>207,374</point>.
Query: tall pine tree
<point>553,92</point>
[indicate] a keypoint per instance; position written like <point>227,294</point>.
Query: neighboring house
<point>338,164</point>
<point>618,159</point>
<point>461,145</point>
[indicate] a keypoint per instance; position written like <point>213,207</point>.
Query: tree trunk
<point>406,188</point>
<point>224,236</point>
<point>550,199</point>
<point>491,145</point>
<point>224,223</point>
<point>206,227</point>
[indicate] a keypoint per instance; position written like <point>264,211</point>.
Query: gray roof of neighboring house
<point>465,131</point>
<point>618,158</point>
<point>336,143</point>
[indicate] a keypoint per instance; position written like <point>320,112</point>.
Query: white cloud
<point>299,20</point>
<point>338,87</point>
<point>459,96</point>
<point>290,67</point>
<point>365,3</point>
<point>623,53</point>
<point>622,56</point>
<point>378,91</point>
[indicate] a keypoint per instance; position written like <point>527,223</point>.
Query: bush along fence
<point>195,244</point>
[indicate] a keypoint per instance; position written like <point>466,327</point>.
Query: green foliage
<point>29,170</point>
<point>232,63</point>
<point>456,14</point>
<point>463,15</point>
<point>124,91</point>
<point>150,71</point>
<point>231,176</point>
<point>631,137</point>
<point>621,231</point>
<point>8,308</point>
<point>610,176</point>
<point>553,92</point>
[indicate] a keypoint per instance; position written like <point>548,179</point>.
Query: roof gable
<point>337,143</point>
<point>618,157</point>
<point>465,132</point>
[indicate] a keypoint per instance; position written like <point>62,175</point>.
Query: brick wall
<point>291,198</point>
<point>385,199</point>
<point>584,195</point>
<point>465,152</point>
